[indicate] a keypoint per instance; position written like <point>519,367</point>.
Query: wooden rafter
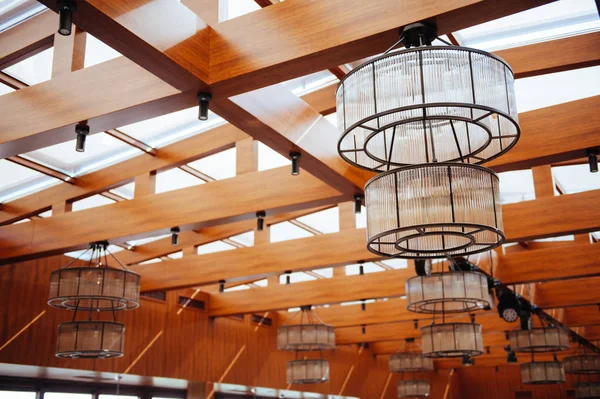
<point>38,167</point>
<point>28,38</point>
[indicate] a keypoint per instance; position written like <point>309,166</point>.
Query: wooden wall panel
<point>189,345</point>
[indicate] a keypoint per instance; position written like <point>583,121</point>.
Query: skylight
<point>216,246</point>
<point>18,180</point>
<point>175,179</point>
<point>33,70</point>
<point>516,186</point>
<point>14,12</point>
<point>218,166</point>
<point>368,267</point>
<point>548,22</point>
<point>576,178</point>
<point>269,158</point>
<point>327,221</point>
<point>246,239</point>
<point>296,277</point>
<point>286,231</point>
<point>91,202</point>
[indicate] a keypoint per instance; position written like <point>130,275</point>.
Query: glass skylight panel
<point>576,178</point>
<point>33,70</point>
<point>396,263</point>
<point>296,277</point>
<point>219,166</point>
<point>176,255</point>
<point>286,231</point>
<point>61,395</point>
<point>557,88</point>
<point>46,214</point>
<point>269,158</point>
<point>169,128</point>
<point>18,181</point>
<point>357,302</point>
<point>261,283</point>
<point>216,246</point>
<point>147,240</point>
<point>553,239</point>
<point>149,261</point>
<point>104,396</point>
<point>14,12</point>
<point>326,272</point>
<point>4,89</point>
<point>327,221</point>
<point>368,267</point>
<point>125,191</point>
<point>175,179</point>
<point>97,52</point>
<point>309,83</point>
<point>332,118</point>
<point>548,22</point>
<point>246,239</point>
<point>101,150</point>
<point>86,254</point>
<point>516,186</point>
<point>241,287</point>
<point>229,9</point>
<point>91,202</point>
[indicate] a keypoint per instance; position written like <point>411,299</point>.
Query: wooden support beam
<point>28,38</point>
<point>538,59</point>
<point>11,82</point>
<point>145,185</point>
<point>38,167</point>
<point>543,183</point>
<point>315,252</point>
<point>568,293</point>
<point>127,139</point>
<point>69,52</point>
<point>123,221</point>
<point>179,153</point>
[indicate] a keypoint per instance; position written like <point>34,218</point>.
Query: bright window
<point>327,221</point>
<point>286,231</point>
<point>61,395</point>
<point>17,395</point>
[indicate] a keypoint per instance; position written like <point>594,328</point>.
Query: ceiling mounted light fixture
<point>96,287</point>
<point>589,390</point>
<point>539,340</point>
<point>65,16</point>
<point>413,388</point>
<point>433,210</point>
<point>452,340</point>
<point>426,104</point>
<point>307,371</point>
<point>582,362</point>
<point>447,292</point>
<point>411,359</point>
<point>93,289</point>
<point>311,334</point>
<point>540,373</point>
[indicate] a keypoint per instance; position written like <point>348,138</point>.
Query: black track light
<point>175,236</point>
<point>358,203</point>
<point>509,306</point>
<point>511,356</point>
<point>525,317</point>
<point>65,16</point>
<point>593,160</point>
<point>221,285</point>
<point>423,267</point>
<point>363,304</point>
<point>82,130</point>
<point>416,324</point>
<point>260,220</point>
<point>364,329</point>
<point>203,101</point>
<point>361,267</point>
<point>467,361</point>
<point>288,277</point>
<point>295,157</point>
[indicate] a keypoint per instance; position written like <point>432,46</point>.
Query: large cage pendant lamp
<point>409,358</point>
<point>540,339</point>
<point>582,362</point>
<point>542,373</point>
<point>93,290</point>
<point>426,104</point>
<point>587,390</point>
<point>413,388</point>
<point>310,334</point>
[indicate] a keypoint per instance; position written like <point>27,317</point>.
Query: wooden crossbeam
<point>27,38</point>
<point>562,215</point>
<point>146,216</point>
<point>38,167</point>
<point>182,152</point>
<point>575,292</point>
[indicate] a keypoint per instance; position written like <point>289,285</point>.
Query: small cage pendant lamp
<point>426,104</point>
<point>311,334</point>
<point>542,373</point>
<point>539,339</point>
<point>587,390</point>
<point>98,287</point>
<point>582,364</point>
<point>413,388</point>
<point>307,371</point>
<point>92,290</point>
<point>410,359</point>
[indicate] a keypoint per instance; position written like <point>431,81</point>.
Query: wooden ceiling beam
<point>316,252</point>
<point>38,167</point>
<point>574,52</point>
<point>27,38</point>
<point>576,292</point>
<point>146,216</point>
<point>203,236</point>
<point>172,155</point>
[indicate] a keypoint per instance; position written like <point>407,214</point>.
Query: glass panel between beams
<point>575,178</point>
<point>285,231</point>
<point>217,246</point>
<point>33,70</point>
<point>13,12</point>
<point>17,395</point>
<point>175,179</point>
<point>296,277</point>
<point>18,181</point>
<point>368,267</point>
<point>230,9</point>
<point>548,22</point>
<point>246,239</point>
<point>516,186</point>
<point>269,158</point>
<point>218,166</point>
<point>327,221</point>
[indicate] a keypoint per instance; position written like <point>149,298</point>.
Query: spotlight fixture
<point>203,101</point>
<point>361,267</point>
<point>358,199</point>
<point>511,357</point>
<point>82,131</point>
<point>593,160</point>
<point>423,267</point>
<point>363,304</point>
<point>221,285</point>
<point>295,156</point>
<point>467,361</point>
<point>288,276</point>
<point>364,329</point>
<point>525,317</point>
<point>65,16</point>
<point>175,236</point>
<point>509,307</point>
<point>260,220</point>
